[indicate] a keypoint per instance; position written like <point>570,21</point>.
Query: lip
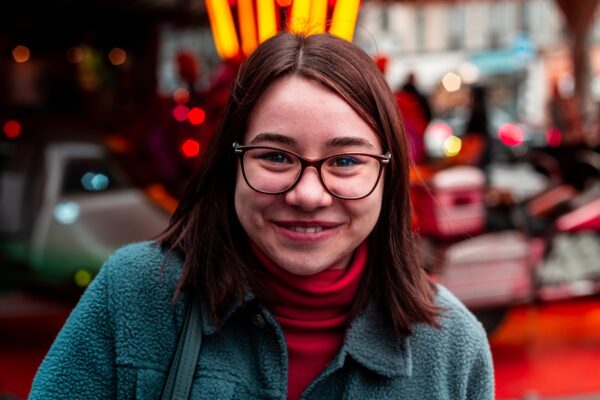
<point>284,229</point>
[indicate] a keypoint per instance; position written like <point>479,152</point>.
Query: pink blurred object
<point>452,204</point>
<point>586,217</point>
<point>493,269</point>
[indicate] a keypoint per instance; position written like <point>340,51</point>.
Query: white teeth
<point>301,229</point>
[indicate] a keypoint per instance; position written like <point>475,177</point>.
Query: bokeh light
<point>181,95</point>
<point>21,54</point>
<point>435,136</point>
<point>284,3</point>
<point>190,148</point>
<point>180,113</point>
<point>511,134</point>
<point>12,129</point>
<point>94,182</point>
<point>82,278</point>
<point>117,56</point>
<point>554,137</point>
<point>66,212</point>
<point>196,116</point>
<point>452,146</point>
<point>469,73</point>
<point>451,82</point>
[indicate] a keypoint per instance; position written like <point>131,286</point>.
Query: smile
<point>304,229</point>
<point>307,231</point>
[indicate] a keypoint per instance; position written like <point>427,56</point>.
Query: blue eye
<point>344,161</point>
<point>274,157</point>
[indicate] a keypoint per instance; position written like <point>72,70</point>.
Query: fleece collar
<point>366,337</point>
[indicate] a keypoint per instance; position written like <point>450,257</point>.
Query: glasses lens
<point>270,170</point>
<point>350,176</point>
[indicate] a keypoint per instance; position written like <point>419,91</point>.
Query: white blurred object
<point>493,269</point>
<point>520,180</point>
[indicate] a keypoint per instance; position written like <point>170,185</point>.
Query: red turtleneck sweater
<point>313,312</point>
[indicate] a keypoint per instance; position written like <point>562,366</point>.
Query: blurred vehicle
<point>65,206</point>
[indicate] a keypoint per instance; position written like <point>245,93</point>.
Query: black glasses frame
<point>304,163</point>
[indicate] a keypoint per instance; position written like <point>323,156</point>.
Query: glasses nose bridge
<point>304,163</point>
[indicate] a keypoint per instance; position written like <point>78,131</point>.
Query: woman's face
<point>297,115</point>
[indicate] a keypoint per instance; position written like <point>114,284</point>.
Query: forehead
<point>309,115</point>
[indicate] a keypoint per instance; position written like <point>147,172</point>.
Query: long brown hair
<point>205,228</point>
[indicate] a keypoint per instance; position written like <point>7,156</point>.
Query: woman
<point>298,240</point>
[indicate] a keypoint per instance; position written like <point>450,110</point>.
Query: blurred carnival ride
<point>514,225</point>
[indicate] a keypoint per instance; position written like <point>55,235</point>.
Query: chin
<point>304,264</point>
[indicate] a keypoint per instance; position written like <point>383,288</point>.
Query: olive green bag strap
<point>181,373</point>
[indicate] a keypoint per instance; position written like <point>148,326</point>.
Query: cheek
<point>366,211</point>
<point>249,205</point>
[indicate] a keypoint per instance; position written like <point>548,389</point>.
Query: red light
<point>12,129</point>
<point>196,116</point>
<point>284,3</point>
<point>511,134</point>
<point>181,95</point>
<point>553,137</point>
<point>180,113</point>
<point>190,148</point>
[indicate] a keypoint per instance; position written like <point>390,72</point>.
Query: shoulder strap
<point>183,366</point>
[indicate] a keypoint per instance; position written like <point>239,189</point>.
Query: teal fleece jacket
<point>119,340</point>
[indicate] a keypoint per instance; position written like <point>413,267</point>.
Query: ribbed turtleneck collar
<point>314,311</point>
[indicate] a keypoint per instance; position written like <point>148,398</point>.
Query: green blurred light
<point>82,278</point>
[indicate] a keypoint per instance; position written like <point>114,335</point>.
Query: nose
<point>309,193</point>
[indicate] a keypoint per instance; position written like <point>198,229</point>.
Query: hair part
<point>205,230</point>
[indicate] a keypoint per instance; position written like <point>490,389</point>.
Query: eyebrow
<point>335,142</point>
<point>272,137</point>
<point>349,141</point>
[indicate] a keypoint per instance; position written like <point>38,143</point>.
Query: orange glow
<point>344,18</point>
<point>318,16</point>
<point>118,143</point>
<point>223,28</point>
<point>196,116</point>
<point>181,95</point>
<point>75,55</point>
<point>12,129</point>
<point>190,148</point>
<point>117,56</point>
<point>180,113</point>
<point>299,17</point>
<point>159,194</point>
<point>267,19</point>
<point>247,26</point>
<point>21,54</point>
<point>511,134</point>
<point>284,3</point>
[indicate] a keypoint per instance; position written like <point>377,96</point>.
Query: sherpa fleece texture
<point>119,340</point>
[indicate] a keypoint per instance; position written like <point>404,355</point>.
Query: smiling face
<point>307,230</point>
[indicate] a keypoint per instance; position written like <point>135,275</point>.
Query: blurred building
<point>522,45</point>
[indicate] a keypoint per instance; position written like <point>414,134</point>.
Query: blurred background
<point>107,106</point>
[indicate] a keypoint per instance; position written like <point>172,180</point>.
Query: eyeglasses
<point>348,176</point>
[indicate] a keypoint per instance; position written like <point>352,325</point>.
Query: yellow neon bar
<point>223,28</point>
<point>300,15</point>
<point>247,26</point>
<point>267,20</point>
<point>318,15</point>
<point>344,18</point>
